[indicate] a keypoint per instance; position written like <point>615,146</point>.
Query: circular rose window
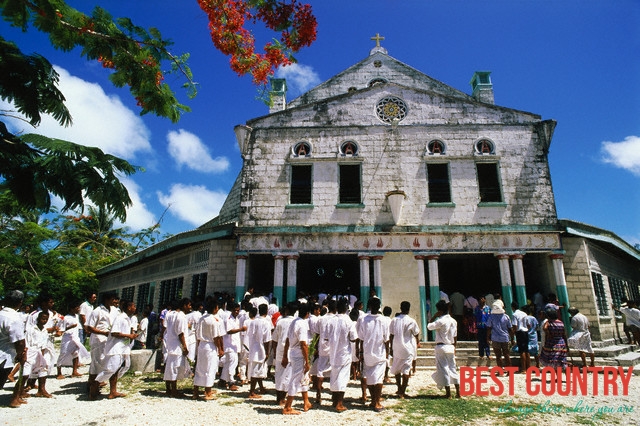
<point>391,109</point>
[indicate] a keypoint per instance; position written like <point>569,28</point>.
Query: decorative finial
<point>377,39</point>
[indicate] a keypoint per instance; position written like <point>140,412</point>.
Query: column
<point>278,276</point>
<point>434,280</point>
<point>423,296</point>
<point>518,273</point>
<point>241,272</point>
<point>505,278</point>
<point>292,277</point>
<point>377,275</point>
<point>365,279</point>
<point>561,287</point>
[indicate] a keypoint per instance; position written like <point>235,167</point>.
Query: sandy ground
<point>144,406</point>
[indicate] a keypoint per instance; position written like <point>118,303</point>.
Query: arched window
<point>436,147</point>
<point>301,149</point>
<point>377,81</point>
<point>485,146</point>
<point>349,148</point>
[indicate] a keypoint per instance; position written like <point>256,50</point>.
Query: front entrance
<point>329,274</point>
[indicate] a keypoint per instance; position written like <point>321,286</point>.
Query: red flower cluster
<point>227,20</point>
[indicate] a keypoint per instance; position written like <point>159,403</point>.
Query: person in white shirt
<point>85,310</point>
<point>12,344</point>
<point>175,340</point>
<point>209,333</point>
<point>232,344</point>
<point>278,339</point>
<point>373,330</point>
<point>580,338</point>
<point>323,366</point>
<point>446,337</point>
<point>259,337</point>
<point>143,330</point>
<point>192,320</point>
<point>40,354</point>
<point>341,332</point>
<point>98,325</point>
<point>521,333</point>
<point>244,317</point>
<point>71,348</point>
<point>404,332</point>
<point>296,358</point>
<point>118,349</point>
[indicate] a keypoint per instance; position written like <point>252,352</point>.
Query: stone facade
<point>383,179</point>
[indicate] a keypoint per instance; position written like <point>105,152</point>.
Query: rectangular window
<point>143,296</point>
<point>128,292</point>
<point>170,290</point>
<point>300,184</point>
<point>350,184</point>
<point>601,297</point>
<point>198,286</point>
<point>489,183</point>
<point>438,183</point>
<point>619,290</point>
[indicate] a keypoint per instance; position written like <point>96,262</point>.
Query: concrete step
<point>612,350</point>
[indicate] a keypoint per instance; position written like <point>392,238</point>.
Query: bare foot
<point>116,395</point>
<point>11,378</point>
<point>77,375</point>
<point>210,396</point>
<point>60,376</point>
<point>341,408</point>
<point>307,407</point>
<point>290,411</point>
<point>15,403</point>
<point>254,396</point>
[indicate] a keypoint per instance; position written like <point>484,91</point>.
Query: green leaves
<point>139,58</point>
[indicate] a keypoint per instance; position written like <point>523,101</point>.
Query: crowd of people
<point>301,345</point>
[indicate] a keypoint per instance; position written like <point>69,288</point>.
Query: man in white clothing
<point>404,332</point>
<point>12,343</point>
<point>279,337</point>
<point>175,340</point>
<point>232,345</point>
<point>209,332</point>
<point>85,310</point>
<point>373,330</point>
<point>323,367</point>
<point>98,325</point>
<point>296,358</point>
<point>446,337</point>
<point>341,332</point>
<point>259,337</point>
<point>117,349</point>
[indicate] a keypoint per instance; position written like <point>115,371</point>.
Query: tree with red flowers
<point>34,167</point>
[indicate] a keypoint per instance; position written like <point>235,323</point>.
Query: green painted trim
<point>423,312</point>
<point>349,206</point>
<point>277,293</point>
<point>367,229</point>
<point>507,298</point>
<point>177,241</point>
<point>493,204</point>
<point>299,206</point>
<point>521,295</point>
<point>448,205</point>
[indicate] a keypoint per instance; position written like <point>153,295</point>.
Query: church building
<point>384,179</point>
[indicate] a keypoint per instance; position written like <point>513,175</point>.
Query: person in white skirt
<point>71,348</point>
<point>209,332</point>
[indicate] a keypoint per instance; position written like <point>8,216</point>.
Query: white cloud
<point>300,78</point>
<point>99,120</point>
<point>188,150</point>
<point>138,215</point>
<point>192,203</point>
<point>625,154</point>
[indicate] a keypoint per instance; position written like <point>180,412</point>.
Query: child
<point>70,346</point>
<point>40,354</point>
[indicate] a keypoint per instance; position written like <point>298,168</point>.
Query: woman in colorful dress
<point>554,351</point>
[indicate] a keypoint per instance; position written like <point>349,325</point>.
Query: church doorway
<point>329,274</point>
<point>470,274</point>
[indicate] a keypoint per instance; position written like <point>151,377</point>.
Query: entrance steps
<point>606,353</point>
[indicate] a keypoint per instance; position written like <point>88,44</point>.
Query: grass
<point>427,409</point>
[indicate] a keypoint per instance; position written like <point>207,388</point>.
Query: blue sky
<point>577,62</point>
